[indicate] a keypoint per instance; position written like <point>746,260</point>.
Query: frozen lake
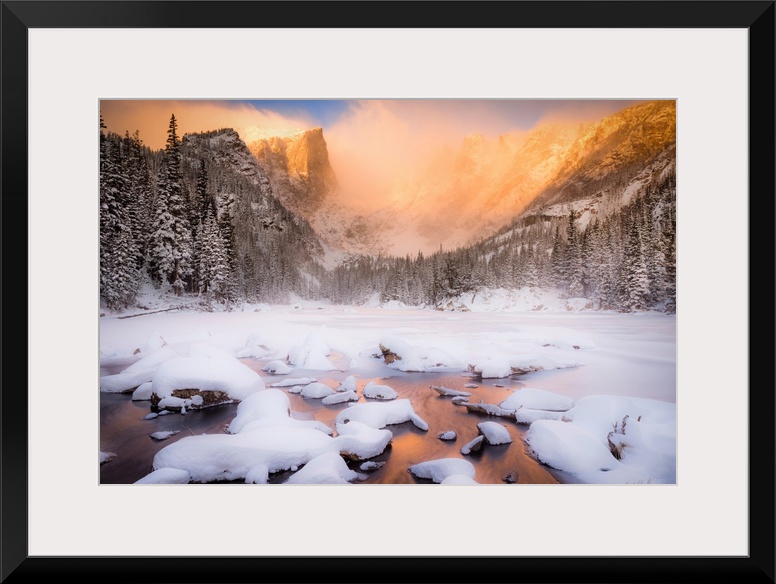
<point>580,354</point>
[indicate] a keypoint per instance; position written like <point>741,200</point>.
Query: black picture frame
<point>755,16</point>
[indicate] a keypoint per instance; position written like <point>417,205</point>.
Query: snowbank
<point>610,439</point>
<point>140,372</point>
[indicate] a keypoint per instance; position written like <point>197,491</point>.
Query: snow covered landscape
<point>486,307</point>
<point>577,397</point>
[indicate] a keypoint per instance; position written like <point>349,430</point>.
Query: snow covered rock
<point>317,391</point>
<point>348,384</point>
<point>357,441</point>
<point>140,372</point>
<point>447,436</point>
<point>294,381</point>
<point>327,468</point>
<point>473,445</point>
<point>568,447</point>
<point>106,456</point>
<point>255,347</point>
<point>267,409</point>
<point>381,414</point>
<point>159,436</point>
<point>374,391</point>
<point>165,476</point>
<point>277,367</point>
<point>270,403</point>
<point>311,354</point>
<point>197,383</point>
<point>400,354</point>
<point>493,368</point>
<point>339,398</point>
<point>447,392</point>
<point>527,416</point>
<point>258,475</point>
<point>439,469</point>
<point>488,409</point>
<point>458,479</point>
<point>494,433</point>
<point>143,392</point>
<point>610,439</point>
<point>216,457</point>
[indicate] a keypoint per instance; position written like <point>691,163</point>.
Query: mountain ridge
<point>475,189</point>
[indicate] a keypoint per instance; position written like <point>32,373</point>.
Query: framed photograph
<point>469,297</point>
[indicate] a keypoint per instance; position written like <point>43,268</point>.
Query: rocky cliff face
<point>299,167</point>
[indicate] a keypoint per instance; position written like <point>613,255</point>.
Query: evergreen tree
<point>669,246</point>
<point>573,259</point>
<point>119,277</point>
<point>214,271</point>
<point>634,280</point>
<point>557,260</point>
<point>140,199</point>
<point>171,246</point>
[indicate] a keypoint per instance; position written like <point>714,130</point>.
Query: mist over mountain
<point>465,193</point>
<point>587,208</point>
<point>299,167</point>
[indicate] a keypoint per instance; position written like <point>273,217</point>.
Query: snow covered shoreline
<point>627,361</point>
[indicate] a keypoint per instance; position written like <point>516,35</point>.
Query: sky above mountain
<point>372,144</point>
<point>454,116</point>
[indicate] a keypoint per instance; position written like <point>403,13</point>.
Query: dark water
<point>124,431</point>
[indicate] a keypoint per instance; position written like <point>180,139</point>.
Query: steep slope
<point>598,204</point>
<point>274,247</point>
<point>613,151</point>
